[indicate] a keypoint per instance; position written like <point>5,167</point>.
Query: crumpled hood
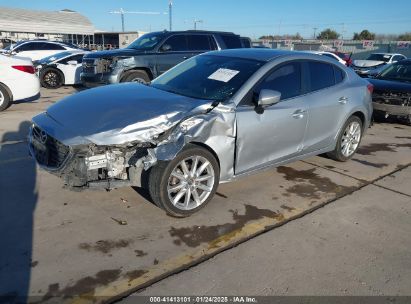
<point>117,114</point>
<point>367,63</point>
<point>390,85</point>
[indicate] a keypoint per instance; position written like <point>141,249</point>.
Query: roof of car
<point>253,53</point>
<point>391,54</point>
<point>193,32</point>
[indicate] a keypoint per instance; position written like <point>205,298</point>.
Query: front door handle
<point>343,100</point>
<point>185,57</point>
<point>298,114</point>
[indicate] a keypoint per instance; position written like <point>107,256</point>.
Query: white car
<point>328,54</point>
<point>60,69</point>
<point>375,63</point>
<point>18,81</point>
<point>37,49</point>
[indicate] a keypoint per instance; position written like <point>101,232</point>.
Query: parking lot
<point>103,245</point>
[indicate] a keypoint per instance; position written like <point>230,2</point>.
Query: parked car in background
<point>38,49</point>
<point>246,42</point>
<point>151,55</point>
<point>344,56</point>
<point>328,54</point>
<point>18,81</point>
<point>213,118</point>
<point>375,63</point>
<point>392,91</point>
<point>60,69</point>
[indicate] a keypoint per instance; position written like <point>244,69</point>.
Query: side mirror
<point>268,98</point>
<point>72,62</point>
<point>165,48</point>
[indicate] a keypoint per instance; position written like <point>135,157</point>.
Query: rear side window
<point>321,75</point>
<point>339,75</point>
<point>231,41</point>
<point>178,43</point>
<point>285,79</point>
<point>199,42</point>
<point>245,42</point>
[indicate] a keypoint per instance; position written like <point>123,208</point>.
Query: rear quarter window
<point>339,75</point>
<point>321,75</point>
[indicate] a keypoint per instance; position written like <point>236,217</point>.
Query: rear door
<point>278,133</point>
<point>172,51</point>
<point>71,70</point>
<point>328,97</point>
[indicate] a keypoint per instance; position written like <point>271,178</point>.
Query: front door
<point>278,133</point>
<point>173,51</point>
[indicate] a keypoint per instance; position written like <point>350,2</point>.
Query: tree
<point>364,35</point>
<point>405,37</point>
<point>328,34</point>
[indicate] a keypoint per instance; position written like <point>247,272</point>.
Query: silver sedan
<point>211,119</point>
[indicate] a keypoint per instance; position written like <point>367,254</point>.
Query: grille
<point>48,151</point>
<point>88,66</point>
<point>392,98</point>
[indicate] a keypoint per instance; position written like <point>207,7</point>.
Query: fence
<point>359,49</point>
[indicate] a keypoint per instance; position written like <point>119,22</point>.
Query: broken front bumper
<point>392,109</point>
<point>90,166</point>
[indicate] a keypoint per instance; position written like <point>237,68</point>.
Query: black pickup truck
<point>151,55</point>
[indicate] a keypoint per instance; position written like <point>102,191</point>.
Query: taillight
<point>25,68</point>
<point>370,88</point>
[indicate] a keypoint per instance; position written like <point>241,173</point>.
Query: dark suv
<point>151,55</point>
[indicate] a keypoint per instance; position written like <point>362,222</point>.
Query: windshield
<point>379,57</point>
<point>397,71</point>
<point>146,42</point>
<point>208,77</point>
<point>54,57</point>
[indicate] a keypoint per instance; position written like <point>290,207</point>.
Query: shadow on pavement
<point>18,198</point>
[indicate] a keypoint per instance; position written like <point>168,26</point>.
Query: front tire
<point>185,184</point>
<point>348,140</point>
<point>136,76</point>
<point>5,99</point>
<point>51,78</point>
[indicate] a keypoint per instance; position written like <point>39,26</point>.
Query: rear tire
<point>5,99</point>
<point>348,140</point>
<point>51,78</point>
<point>185,184</point>
<point>136,76</point>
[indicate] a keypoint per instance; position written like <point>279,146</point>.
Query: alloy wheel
<point>51,79</point>
<point>191,182</point>
<point>1,98</point>
<point>351,139</point>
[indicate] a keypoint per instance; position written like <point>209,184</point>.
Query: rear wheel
<point>348,140</point>
<point>136,76</point>
<point>5,99</point>
<point>185,184</point>
<point>51,78</point>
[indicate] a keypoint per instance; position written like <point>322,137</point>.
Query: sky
<point>249,18</point>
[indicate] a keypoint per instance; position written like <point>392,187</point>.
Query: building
<point>109,40</point>
<point>65,25</point>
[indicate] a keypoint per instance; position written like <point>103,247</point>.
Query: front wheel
<point>51,78</point>
<point>136,76</point>
<point>185,184</point>
<point>348,140</point>
<point>5,99</point>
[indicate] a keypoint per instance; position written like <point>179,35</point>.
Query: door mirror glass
<point>166,48</point>
<point>267,98</point>
<point>72,62</point>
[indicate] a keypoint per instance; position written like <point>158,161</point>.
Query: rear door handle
<point>343,100</point>
<point>298,114</point>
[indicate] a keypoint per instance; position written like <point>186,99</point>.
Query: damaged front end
<point>390,103</point>
<point>91,166</point>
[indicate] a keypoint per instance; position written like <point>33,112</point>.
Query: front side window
<point>207,77</point>
<point>146,42</point>
<point>321,75</point>
<point>176,43</point>
<point>285,79</point>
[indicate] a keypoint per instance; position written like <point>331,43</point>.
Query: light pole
<point>195,23</point>
<point>315,30</point>
<point>170,16</point>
